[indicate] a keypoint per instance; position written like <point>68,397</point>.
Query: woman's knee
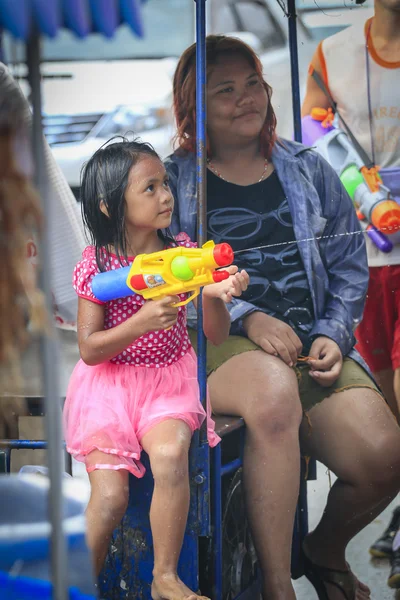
<point>380,466</point>
<point>170,462</point>
<point>274,409</point>
<point>260,388</point>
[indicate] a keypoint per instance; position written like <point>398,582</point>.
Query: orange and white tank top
<point>345,66</point>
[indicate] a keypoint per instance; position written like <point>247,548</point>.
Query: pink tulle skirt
<point>111,407</point>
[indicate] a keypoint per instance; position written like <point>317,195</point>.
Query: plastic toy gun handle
<point>379,239</point>
<point>111,285</point>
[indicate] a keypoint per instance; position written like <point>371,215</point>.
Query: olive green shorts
<point>311,393</point>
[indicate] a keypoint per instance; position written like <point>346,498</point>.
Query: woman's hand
<point>158,314</point>
<point>326,361</point>
<point>273,336</point>
<point>235,285</point>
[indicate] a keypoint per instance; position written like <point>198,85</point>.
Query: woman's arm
<point>97,345</point>
<point>343,252</point>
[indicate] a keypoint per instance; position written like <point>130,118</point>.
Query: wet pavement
<point>373,572</point>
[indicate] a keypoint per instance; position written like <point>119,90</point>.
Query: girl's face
<point>149,202</point>
<point>237,101</point>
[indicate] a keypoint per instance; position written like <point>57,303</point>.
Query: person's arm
<point>344,254</point>
<point>315,97</point>
<point>216,319</point>
<point>97,345</point>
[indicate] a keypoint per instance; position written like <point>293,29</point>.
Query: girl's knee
<point>112,501</point>
<point>170,462</point>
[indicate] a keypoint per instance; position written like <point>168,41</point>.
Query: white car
<point>96,89</point>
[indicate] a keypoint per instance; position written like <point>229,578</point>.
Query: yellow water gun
<point>166,273</point>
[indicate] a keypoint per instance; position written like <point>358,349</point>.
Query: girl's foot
<point>169,587</point>
<point>330,581</point>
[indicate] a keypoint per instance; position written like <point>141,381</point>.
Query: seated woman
<point>293,227</point>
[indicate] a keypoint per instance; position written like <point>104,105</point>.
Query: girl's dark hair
<point>105,178</point>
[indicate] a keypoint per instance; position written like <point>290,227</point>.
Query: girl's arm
<point>98,345</point>
<point>216,318</point>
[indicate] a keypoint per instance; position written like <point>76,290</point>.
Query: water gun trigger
<point>188,299</point>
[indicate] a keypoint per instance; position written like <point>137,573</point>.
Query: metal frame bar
<point>48,342</point>
<point>294,68</point>
<point>201,174</point>
<point>217,521</point>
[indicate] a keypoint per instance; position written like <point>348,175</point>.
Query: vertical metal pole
<point>294,67</point>
<point>217,510</point>
<point>49,353</point>
<point>201,156</point>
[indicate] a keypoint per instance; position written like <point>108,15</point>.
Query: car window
<point>252,16</point>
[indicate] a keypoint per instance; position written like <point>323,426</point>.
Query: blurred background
<point>96,88</point>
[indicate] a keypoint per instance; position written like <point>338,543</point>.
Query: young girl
<point>136,383</point>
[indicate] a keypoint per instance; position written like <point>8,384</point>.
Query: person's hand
<point>326,361</point>
<point>273,336</point>
<point>158,314</point>
<point>235,285</point>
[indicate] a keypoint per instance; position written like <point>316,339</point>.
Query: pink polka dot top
<point>155,349</point>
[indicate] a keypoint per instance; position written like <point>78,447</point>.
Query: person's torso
<point>154,349</point>
<point>348,65</point>
<point>248,218</point>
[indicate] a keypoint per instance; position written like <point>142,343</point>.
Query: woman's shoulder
<point>313,165</point>
<point>295,150</point>
<point>179,159</point>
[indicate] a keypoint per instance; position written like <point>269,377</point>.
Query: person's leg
<point>264,391</point>
<point>375,334</point>
<point>355,435</point>
<point>167,445</point>
<point>388,381</point>
<point>107,505</point>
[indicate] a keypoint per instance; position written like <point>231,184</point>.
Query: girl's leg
<point>264,391</point>
<point>108,501</point>
<point>167,445</point>
<point>355,435</point>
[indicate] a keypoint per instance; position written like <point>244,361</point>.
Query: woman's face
<point>237,101</point>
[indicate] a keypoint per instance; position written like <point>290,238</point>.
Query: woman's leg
<point>355,435</point>
<point>167,445</point>
<point>264,391</point>
<point>107,505</point>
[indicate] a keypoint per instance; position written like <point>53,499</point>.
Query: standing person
<point>306,296</point>
<point>135,386</point>
<point>361,68</point>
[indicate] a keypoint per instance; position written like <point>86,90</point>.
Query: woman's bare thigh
<point>245,380</point>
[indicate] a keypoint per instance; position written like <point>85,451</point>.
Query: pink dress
<point>111,406</point>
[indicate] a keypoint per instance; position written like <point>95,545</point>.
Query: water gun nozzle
<point>223,255</point>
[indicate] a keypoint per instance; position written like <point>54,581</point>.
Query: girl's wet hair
<point>105,179</point>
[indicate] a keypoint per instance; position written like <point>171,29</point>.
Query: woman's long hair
<point>184,91</point>
<point>104,180</point>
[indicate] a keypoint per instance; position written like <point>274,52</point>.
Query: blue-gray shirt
<point>327,231</point>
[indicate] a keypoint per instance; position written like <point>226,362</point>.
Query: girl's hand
<point>235,285</point>
<point>326,361</point>
<point>273,336</point>
<point>158,314</point>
